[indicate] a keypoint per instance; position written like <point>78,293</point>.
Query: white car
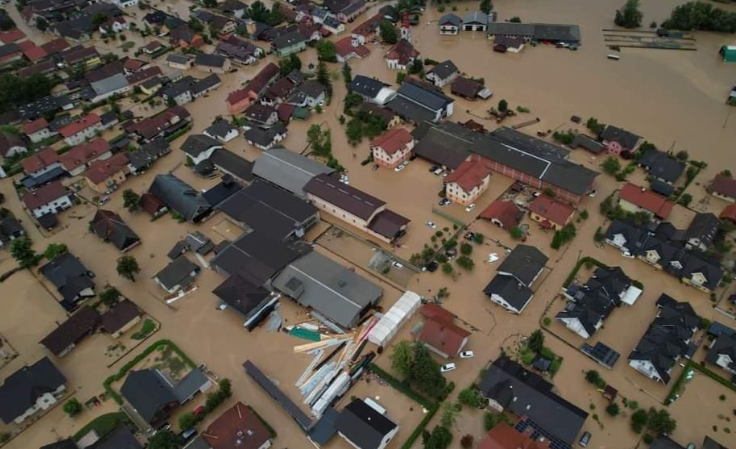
<point>467,355</point>
<point>448,367</point>
<point>431,224</point>
<point>627,255</point>
<point>470,207</point>
<point>593,193</point>
<point>438,171</point>
<point>398,265</point>
<point>400,167</point>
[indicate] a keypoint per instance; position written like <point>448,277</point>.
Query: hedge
<point>268,427</point>
<point>401,386</point>
<point>420,428</point>
<point>103,425</point>
<point>681,380</point>
<point>580,263</point>
<point>178,134</point>
<point>107,384</point>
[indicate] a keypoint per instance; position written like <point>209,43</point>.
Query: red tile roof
<point>34,126</point>
<point>133,65</point>
<point>44,195</point>
<point>31,51</point>
<point>55,46</point>
<point>40,160</point>
<point>100,171</point>
<point>435,312</point>
<point>440,332</point>
<point>237,428</point>
<point>14,35</point>
<point>646,199</point>
<point>393,140</point>
<point>723,185</point>
<point>471,173</point>
<point>153,45</point>
<point>553,211</point>
<point>729,213</point>
<point>504,211</point>
<point>150,127</point>
<point>80,125</point>
<point>345,46</point>
<point>84,153</point>
<point>402,51</point>
<point>151,204</point>
<point>503,436</point>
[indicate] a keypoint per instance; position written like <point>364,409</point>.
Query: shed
<point>391,321</point>
<point>728,53</point>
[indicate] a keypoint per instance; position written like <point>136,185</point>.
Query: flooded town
<point>231,224</point>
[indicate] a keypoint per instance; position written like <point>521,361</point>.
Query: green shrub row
<point>401,386</point>
<point>580,263</point>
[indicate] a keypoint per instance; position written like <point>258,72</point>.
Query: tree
<point>470,397</point>
<point>682,155</point>
<point>209,3</point>
<point>425,373</point>
<point>486,6</point>
<point>515,19</point>
<point>629,16</point>
<point>196,25</point>
<point>42,24</point>
<point>466,249</point>
<point>613,409</point>
<point>685,199</point>
<point>535,342</point>
<point>347,73</point>
<point>416,67</point>
<point>323,76</point>
<point>98,19</point>
<point>557,240</point>
<point>447,268</point>
<point>187,421</point>
<point>326,51</point>
<point>516,233</point>
<point>400,77</point>
<point>491,419</point>
<point>466,441</point>
<point>131,200</point>
<point>72,407</point>
<point>289,63</point>
<point>595,127</point>
<point>593,377</point>
<point>503,106</point>
<point>389,32</point>
<point>109,296</point>
<point>128,267</point>
<point>611,165</point>
<point>440,438</point>
<point>164,439</point>
<point>639,420</point>
<point>450,413</point>
<point>701,16</point>
<point>55,250</point>
<point>402,358</point>
<point>22,251</point>
<point>661,422</point>
<point>466,262</point>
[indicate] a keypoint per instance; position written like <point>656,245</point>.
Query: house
<point>443,73</point>
<point>503,213</point>
<point>661,166</point>
<point>71,278</point>
<point>114,25</point>
<point>540,32</point>
<point>392,148</point>
<point>365,425</point>
<point>289,43</point>
<point>624,236</point>
<point>469,88</point>
<point>178,61</point>
<point>239,427</point>
<point>549,213</point>
<point>67,334</point>
<point>240,51</point>
<point>36,131</point>
<point>12,145</point>
<point>635,199</point>
<point>231,164</point>
<point>30,390</point>
<point>728,213</point>
<point>10,53</point>
<point>439,332</point>
<point>371,90</point>
<point>588,143</point>
<point>590,305</point>
<point>702,231</point>
<point>347,48</point>
<point>288,170</point>
<point>261,115</point>
<point>81,130</point>
<point>163,124</point>
<point>211,63</point>
<point>278,92</point>
<point>389,117</point>
<point>468,182</point>
<point>345,10</point>
<point>152,85</point>
<point>10,228</point>
<point>511,44</point>
<point>511,287</point>
<point>180,197</point>
<point>504,436</point>
<point>180,92</point>
<point>401,55</point>
<point>418,102</point>
<point>475,21</point>
<point>509,387</point>
<point>251,302</point>
<point>722,352</point>
<point>368,30</point>
<point>120,318</point>
<point>177,275</point>
<point>355,207</point>
<point>239,100</point>
<point>53,198</point>
<point>183,37</point>
<point>68,443</point>
<point>222,131</point>
<point>80,157</point>
<point>267,138</point>
<point>308,94</point>
<point>666,340</point>
<point>449,25</point>
<point>120,437</point>
<point>103,175</point>
<point>110,227</point>
<point>12,35</point>
<point>710,443</point>
<point>618,139</point>
<point>152,205</point>
<point>143,158</point>
<point>723,187</point>
<point>233,7</point>
<point>445,144</point>
<point>199,147</point>
<point>41,168</point>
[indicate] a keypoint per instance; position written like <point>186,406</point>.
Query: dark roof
<point>516,294</point>
<point>709,443</point>
<point>109,226</point>
<point>222,191</point>
<point>233,164</point>
<point>241,295</point>
<point>450,19</point>
<point>466,87</point>
<point>704,227</point>
<point>724,345</point>
<point>444,69</point>
<point>627,139</point>
<point>661,165</point>
<point>410,110</point>
<point>389,224</point>
<point>179,197</point>
<point>71,331</point>
<point>524,263</point>
<point>665,442</point>
<point>147,391</point>
<point>21,389</point>
<point>220,129</point>
<point>197,144</point>
<point>239,427</point>
<point>68,275</point>
<point>366,86</point>
<point>210,60</point>
<point>120,438</point>
<point>48,220</point>
<point>264,137</point>
<point>324,429</point>
<point>424,94</point>
<point>119,315</point>
<point>527,394</point>
<point>345,197</point>
<point>447,144</point>
<point>363,425</point>
<point>288,39</point>
<point>175,272</point>
<point>587,142</point>
<point>63,444</point>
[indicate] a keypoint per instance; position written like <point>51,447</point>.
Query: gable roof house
<point>666,340</point>
<point>371,89</point>
<point>475,21</point>
<point>71,278</point>
<point>417,102</point>
<point>634,199</point>
<point>240,51</point>
<point>199,147</point>
<point>468,182</point>
<point>365,425</point>
<point>120,318</point>
<point>511,287</point>
<point>222,131</point>
<point>401,55</point>
<point>446,144</point>
<point>510,387</point>
<point>661,166</point>
<point>30,390</point>
<point>308,94</point>
<point>288,170</point>
<point>618,139</point>
<point>51,198</point>
<point>503,213</point>
<point>443,73</point>
<point>392,148</point>
<point>278,92</point>
<point>702,231</point>
<point>346,10</point>
<point>439,332</point>
<point>589,305</point>
<point>12,145</point>
<point>231,164</point>
<point>723,187</point>
<point>265,138</point>
<point>81,130</point>
<point>624,236</point>
<point>143,158</point>
<point>66,336</point>
<point>211,63</point>
<point>177,275</point>
<point>348,48</point>
<point>449,24</point>
<point>289,43</point>
<point>722,352</point>
<point>110,227</point>
<point>550,213</point>
<point>109,174</point>
<point>251,302</point>
<point>163,124</point>
<point>239,100</point>
<point>78,158</point>
<point>503,436</point>
<point>178,61</point>
<point>36,131</point>
<point>10,228</point>
<point>261,115</point>
<point>180,197</point>
<point>239,427</point>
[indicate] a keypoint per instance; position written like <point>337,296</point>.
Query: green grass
<point>697,367</point>
<point>580,263</point>
<point>102,425</point>
<point>401,386</point>
<point>148,327</point>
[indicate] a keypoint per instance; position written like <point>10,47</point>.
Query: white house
<point>199,147</point>
<point>125,3</point>
<point>81,130</point>
<point>51,198</point>
<point>37,130</point>
<point>44,385</point>
<point>365,425</point>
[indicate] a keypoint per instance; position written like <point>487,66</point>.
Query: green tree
<point>685,199</point>
<point>639,420</point>
<point>22,251</point>
<point>447,268</point>
<point>131,200</point>
<point>323,77</point>
<point>611,165</point>
<point>354,131</point>
<point>389,32</point>
<point>402,358</point>
<point>347,73</point>
<point>164,439</point>
<point>515,19</point>
<point>516,233</point>
<point>466,262</point>
<point>417,67</point>
<point>594,126</point>
<point>471,398</point>
<point>109,296</point>
<point>557,240</point>
<point>196,25</point>
<point>486,6</point>
<point>98,19</point>
<point>450,413</point>
<point>400,77</point>
<point>629,16</point>
<point>535,342</point>
<point>682,155</point>
<point>503,106</point>
<point>187,420</point>
<point>55,250</point>
<point>613,409</point>
<point>440,438</point>
<point>701,16</point>
<point>128,267</point>
<point>72,407</point>
<point>466,249</point>
<point>42,24</point>
<point>660,422</point>
<point>593,376</point>
<point>425,373</point>
<point>326,51</point>
<point>289,63</point>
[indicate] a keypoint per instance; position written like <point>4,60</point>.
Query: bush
<point>447,268</point>
<point>479,238</point>
<point>466,249</point>
<point>466,441</point>
<point>471,398</point>
<point>466,262</point>
<point>547,321</point>
<point>639,420</point>
<point>613,409</point>
<point>516,233</point>
<point>148,327</point>
<point>72,407</point>
<point>490,420</point>
<point>188,420</point>
<point>648,438</point>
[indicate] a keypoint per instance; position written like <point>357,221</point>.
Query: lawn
<point>148,327</point>
<point>102,425</point>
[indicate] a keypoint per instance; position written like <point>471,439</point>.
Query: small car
<point>104,200</point>
<point>199,410</point>
<point>431,224</point>
<point>444,202</point>
<point>398,265</point>
<point>375,167</point>
<point>222,306</point>
<point>438,171</point>
<point>469,236</point>
<point>593,193</point>
<point>431,267</point>
<point>448,367</point>
<point>470,207</point>
<point>585,439</point>
<point>627,255</point>
<point>400,167</point>
<point>467,355</point>
<point>433,168</point>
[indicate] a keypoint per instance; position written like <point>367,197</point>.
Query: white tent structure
<point>389,324</point>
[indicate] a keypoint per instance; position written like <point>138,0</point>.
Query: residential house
<point>163,124</point>
<point>723,187</point>
<point>29,390</point>
<point>239,427</point>
<point>389,117</point>
<point>550,213</point>
<point>511,44</point>
<point>81,130</point>
<point>10,228</point>
<point>110,227</point>
<point>439,332</point>
<point>265,138</point>
<point>114,25</point>
<point>143,158</point>
<point>540,32</point>
<point>449,24</point>
<point>475,21</point>
<point>180,92</point>
<point>80,157</point>
<point>41,168</point>
<point>211,63</point>
<point>418,102</point>
<point>109,174</point>
<point>722,353</point>
<point>231,164</point>
<point>199,147</point>
<point>368,30</point>
<point>468,182</point>
<point>355,207</point>
<point>71,278</point>
<point>635,199</point>
<point>180,197</point>
<point>152,85</point>
<point>443,73</point>
<point>618,139</point>
<point>68,443</point>
<point>239,100</point>
<point>365,425</point>
<point>240,51</point>
<point>183,37</point>
<point>278,92</point>
<point>288,169</point>
<point>624,236</point>
<point>37,130</point>
<point>346,10</point>
<point>666,340</point>
<point>392,148</point>
<point>261,115</point>
<point>509,387</point>
<point>72,331</point>
<point>51,198</point>
<point>178,61</point>
<point>504,436</point>
<point>728,213</point>
<point>121,437</point>
<point>152,205</point>
<point>589,305</point>
<point>371,90</point>
<point>511,287</point>
<point>588,143</point>
<point>702,231</point>
<point>12,145</point>
<point>308,94</point>
<point>661,166</point>
<point>222,131</point>
<point>10,53</point>
<point>348,48</point>
<point>401,55</point>
<point>234,8</point>
<point>251,302</point>
<point>177,275</point>
<point>120,318</point>
<point>289,43</point>
<point>317,282</point>
<point>469,88</point>
<point>503,213</point>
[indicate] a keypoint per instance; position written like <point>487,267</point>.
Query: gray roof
<point>409,110</point>
<point>627,139</point>
<point>347,198</point>
<point>665,442</point>
<point>288,39</point>
<point>510,289</point>
<point>110,84</point>
<point>147,391</point>
<point>177,59</point>
<point>317,282</point>
<point>363,85</point>
<point>220,129</point>
<point>444,69</point>
<point>450,19</point>
<point>190,384</point>
<point>197,144</point>
<point>661,165</point>
<point>724,345</point>
<point>475,17</point>
<point>288,170</point>
<point>264,137</point>
<point>364,426</point>
<point>537,31</point>
<point>210,60</point>
<point>206,84</point>
<point>233,164</point>
<point>179,197</point>
<point>524,263</point>
<point>68,275</point>
<point>21,389</point>
<point>242,295</point>
<point>176,272</point>
<point>447,144</point>
<point>119,438</point>
<point>324,429</point>
<point>589,143</point>
<point>424,94</point>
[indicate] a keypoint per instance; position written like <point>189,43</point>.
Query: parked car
<point>438,171</point>
<point>104,200</point>
<point>199,410</point>
<point>627,255</point>
<point>469,236</point>
<point>375,167</point>
<point>188,434</point>
<point>431,267</point>
<point>400,167</point>
<point>593,193</point>
<point>448,367</point>
<point>433,168</point>
<point>585,439</point>
<point>444,202</point>
<point>467,355</point>
<point>431,224</point>
<point>470,207</point>
<point>398,265</point>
